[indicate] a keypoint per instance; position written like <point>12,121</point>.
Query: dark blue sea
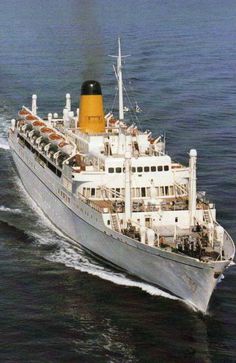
<point>56,303</point>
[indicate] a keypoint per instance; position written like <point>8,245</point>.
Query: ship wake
<point>74,257</point>
<point>10,210</point>
<point>4,144</point>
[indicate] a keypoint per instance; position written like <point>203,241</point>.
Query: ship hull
<point>184,277</point>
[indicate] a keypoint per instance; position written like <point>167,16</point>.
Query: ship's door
<point>148,221</point>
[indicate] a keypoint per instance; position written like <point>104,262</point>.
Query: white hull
<point>185,277</point>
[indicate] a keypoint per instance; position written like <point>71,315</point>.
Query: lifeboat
<point>31,117</point>
<point>46,130</point>
<point>55,138</point>
<point>62,144</point>
<point>23,112</point>
<point>38,124</point>
<point>65,147</point>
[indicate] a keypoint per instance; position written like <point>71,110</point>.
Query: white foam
<point>4,144</point>
<point>10,210</point>
<point>73,257</point>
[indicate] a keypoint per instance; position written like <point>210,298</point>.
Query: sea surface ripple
<point>57,304</point>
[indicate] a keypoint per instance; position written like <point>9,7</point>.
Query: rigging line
<point>133,114</point>
<point>114,100</point>
<point>131,102</point>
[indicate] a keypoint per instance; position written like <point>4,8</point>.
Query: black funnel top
<point>91,88</point>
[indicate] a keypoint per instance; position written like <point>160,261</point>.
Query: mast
<point>120,82</point>
<point>128,201</point>
<point>192,186</point>
<point>118,74</point>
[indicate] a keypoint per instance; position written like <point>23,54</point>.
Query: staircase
<point>180,189</point>
<point>206,216</point>
<point>209,223</point>
<point>115,223</point>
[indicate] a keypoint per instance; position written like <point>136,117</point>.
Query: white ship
<point>112,189</point>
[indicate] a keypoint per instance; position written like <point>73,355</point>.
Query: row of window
<point>65,197</point>
<point>140,169</point>
<point>40,157</point>
<point>162,191</point>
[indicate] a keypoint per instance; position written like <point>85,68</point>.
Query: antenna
<point>118,74</point>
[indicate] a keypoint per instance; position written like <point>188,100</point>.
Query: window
<point>166,167</point>
<point>108,222</point>
<point>137,192</point>
<point>133,169</point>
<point>92,192</point>
<point>148,222</point>
<point>146,168</point>
<point>110,170</point>
<point>51,167</point>
<point>153,168</point>
<point>171,190</point>
<point>118,190</point>
<point>162,191</point>
<point>160,168</point>
<point>143,192</point>
<point>166,190</point>
<point>98,193</point>
<point>118,170</point>
<point>176,219</point>
<point>139,169</point>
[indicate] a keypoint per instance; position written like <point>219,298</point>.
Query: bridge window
<point>143,192</point>
<point>160,168</point>
<point>118,170</point>
<point>110,170</point>
<point>139,169</point>
<point>153,168</point>
<point>118,190</point>
<point>166,167</point>
<point>146,168</point>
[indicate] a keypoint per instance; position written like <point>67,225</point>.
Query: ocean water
<point>56,303</point>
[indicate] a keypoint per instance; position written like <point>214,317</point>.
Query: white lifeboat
<point>38,124</point>
<point>31,117</point>
<point>23,113</point>
<point>46,131</point>
<point>65,147</point>
<point>55,138</point>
